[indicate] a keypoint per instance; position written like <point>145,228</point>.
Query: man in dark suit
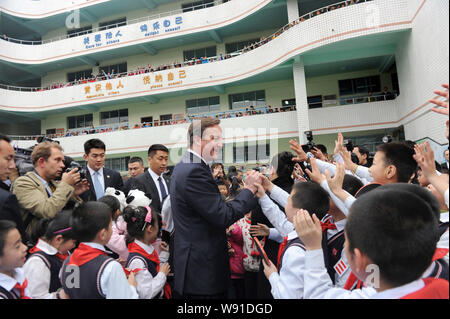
<point>201,260</point>
<point>9,206</point>
<point>153,182</point>
<point>135,168</point>
<point>99,177</point>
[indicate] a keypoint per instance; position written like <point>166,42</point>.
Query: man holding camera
<point>39,193</point>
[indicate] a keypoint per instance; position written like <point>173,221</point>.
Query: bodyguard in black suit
<point>153,182</point>
<point>201,217</point>
<point>99,177</point>
<point>9,206</point>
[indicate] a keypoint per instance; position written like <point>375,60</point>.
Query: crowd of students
<point>329,228</point>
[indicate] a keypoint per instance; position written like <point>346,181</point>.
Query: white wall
<point>423,65</point>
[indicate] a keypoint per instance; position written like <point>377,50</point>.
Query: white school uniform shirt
<point>399,292</point>
<point>147,285</point>
<point>276,217</point>
<point>8,282</point>
<point>113,282</point>
<point>38,274</point>
<point>289,282</point>
<point>444,240</point>
<point>318,285</point>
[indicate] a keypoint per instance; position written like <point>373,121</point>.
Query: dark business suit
<point>111,179</point>
<point>10,209</point>
<point>145,183</point>
<point>200,219</point>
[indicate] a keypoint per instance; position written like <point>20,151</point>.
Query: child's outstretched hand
<point>165,268</point>
<point>308,229</point>
<point>268,269</point>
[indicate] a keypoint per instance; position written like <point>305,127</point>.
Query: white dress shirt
<point>101,178</point>
<point>166,213</point>
<point>147,285</point>
<point>114,282</point>
<point>198,155</point>
<point>8,282</point>
<point>155,178</point>
<point>38,273</point>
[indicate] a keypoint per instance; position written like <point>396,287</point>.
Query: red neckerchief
<point>21,289</point>
<point>135,248</point>
<point>84,253</point>
<point>440,253</point>
<point>435,288</point>
<point>327,225</point>
<point>58,254</point>
<point>280,251</point>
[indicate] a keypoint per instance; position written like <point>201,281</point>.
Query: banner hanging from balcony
<point>149,29</point>
<point>148,82</point>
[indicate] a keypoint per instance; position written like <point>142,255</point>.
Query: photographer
<point>363,155</point>
<point>38,192</point>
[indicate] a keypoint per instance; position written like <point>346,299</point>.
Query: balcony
<point>284,45</point>
<point>137,34</point>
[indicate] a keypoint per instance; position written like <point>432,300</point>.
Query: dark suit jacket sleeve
<point>203,196</point>
<point>10,210</point>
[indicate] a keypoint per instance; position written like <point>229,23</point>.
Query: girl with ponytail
<point>143,227</point>
<point>54,239</point>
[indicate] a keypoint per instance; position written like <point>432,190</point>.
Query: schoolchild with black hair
<point>287,281</point>
<point>143,226</point>
<point>13,283</point>
<point>390,243</point>
<point>54,239</point>
<point>117,243</point>
<point>98,276</point>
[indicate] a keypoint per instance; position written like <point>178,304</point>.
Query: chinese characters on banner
<point>166,26</point>
<point>112,36</point>
<point>150,81</point>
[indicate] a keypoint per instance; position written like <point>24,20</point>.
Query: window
<point>112,24</point>
<point>72,76</point>
<point>148,119</point>
<point>79,121</point>
<point>50,131</point>
<point>360,85</point>
<point>117,164</point>
<point>315,102</point>
<point>114,117</point>
<point>197,5</point>
<point>80,31</point>
<point>165,118</point>
<point>237,46</point>
<point>116,68</point>
<point>207,104</point>
<point>200,53</point>
<point>243,100</point>
<point>251,152</point>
